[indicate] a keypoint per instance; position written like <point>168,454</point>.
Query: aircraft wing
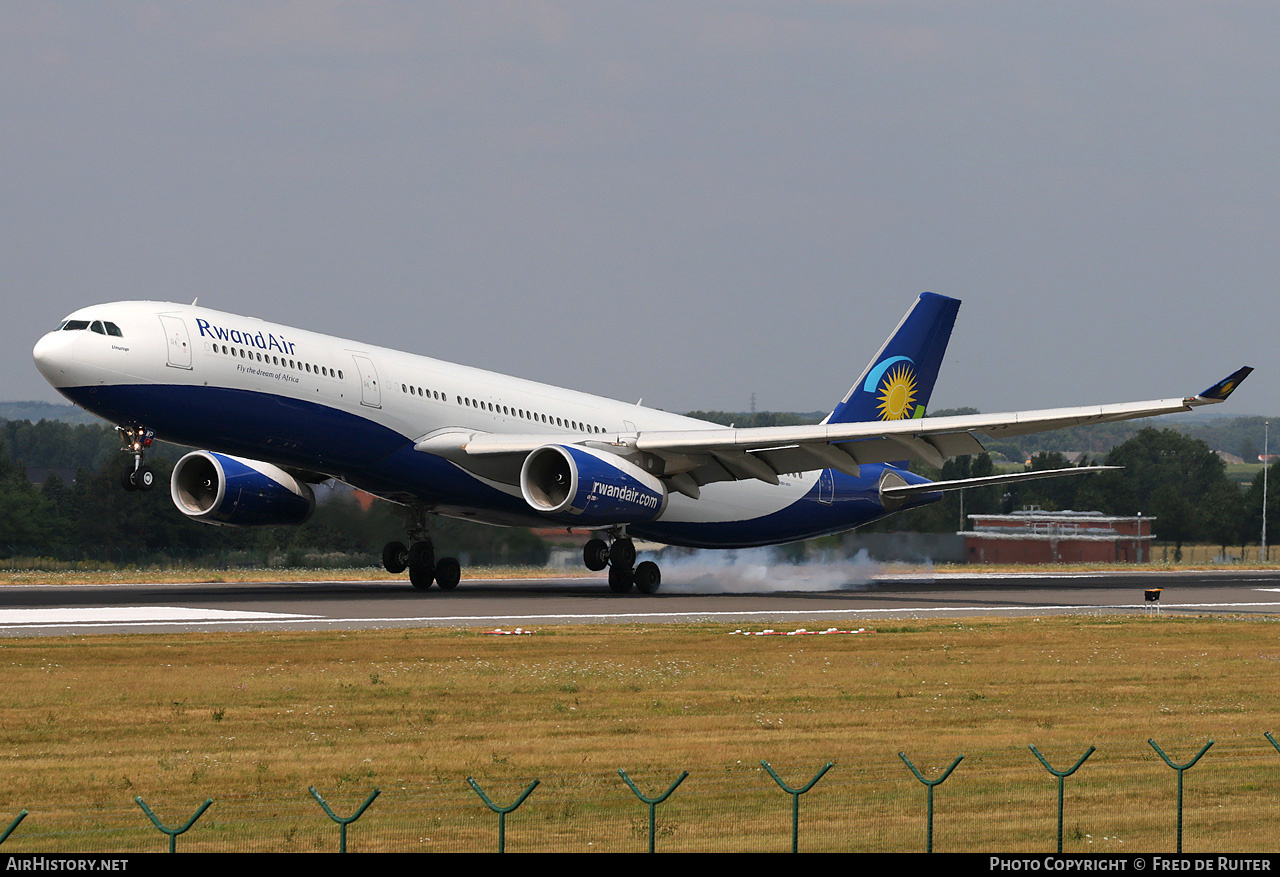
<point>691,458</point>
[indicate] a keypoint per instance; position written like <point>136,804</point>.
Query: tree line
<point>1167,474</point>
<point>93,519</point>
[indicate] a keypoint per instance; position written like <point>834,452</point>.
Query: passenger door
<point>369,393</point>
<point>177,341</point>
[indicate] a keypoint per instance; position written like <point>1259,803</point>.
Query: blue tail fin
<point>899,380</point>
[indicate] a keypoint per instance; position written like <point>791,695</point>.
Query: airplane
<point>275,409</point>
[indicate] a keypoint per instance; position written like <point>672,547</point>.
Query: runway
<point>47,610</point>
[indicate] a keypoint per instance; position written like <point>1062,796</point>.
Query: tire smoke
<point>761,571</point>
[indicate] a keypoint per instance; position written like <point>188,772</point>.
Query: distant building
<point>1035,536</point>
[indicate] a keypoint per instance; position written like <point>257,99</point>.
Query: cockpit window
<point>102,327</point>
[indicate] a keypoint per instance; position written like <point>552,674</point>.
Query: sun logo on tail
<point>897,393</point>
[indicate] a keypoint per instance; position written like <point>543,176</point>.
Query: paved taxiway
<point>38,610</point>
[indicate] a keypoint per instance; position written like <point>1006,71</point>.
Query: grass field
<point>251,720</point>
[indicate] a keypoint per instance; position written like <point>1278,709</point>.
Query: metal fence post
<point>930,784</point>
<point>502,811</point>
<point>1180,768</point>
<point>343,823</point>
<point>795,799</point>
<point>652,802</point>
<point>12,825</point>
<point>1266,734</point>
<point>172,832</point>
<point>1061,775</point>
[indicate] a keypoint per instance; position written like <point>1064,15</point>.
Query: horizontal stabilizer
<point>903,490</point>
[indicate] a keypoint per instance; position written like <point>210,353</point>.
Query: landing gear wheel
<point>622,553</point>
<point>144,478</point>
<point>395,558</point>
<point>422,565</point>
<point>448,573</point>
<point>126,480</point>
<point>647,577</point>
<point>595,554</point>
<point>620,579</point>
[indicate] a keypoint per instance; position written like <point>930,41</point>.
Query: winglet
<point>1221,390</point>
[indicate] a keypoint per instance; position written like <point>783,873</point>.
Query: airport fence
<point>1120,799</point>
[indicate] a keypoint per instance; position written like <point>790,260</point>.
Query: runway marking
<point>770,613</point>
<point>965,576</point>
<point>946,576</point>
<point>132,615</point>
<point>178,617</point>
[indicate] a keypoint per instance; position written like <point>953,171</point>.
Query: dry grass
<point>252,719</point>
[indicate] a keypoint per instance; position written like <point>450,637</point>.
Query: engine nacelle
<point>221,489</point>
<point>590,487</point>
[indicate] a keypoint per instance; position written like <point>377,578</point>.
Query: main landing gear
<point>424,570</point>
<point>420,559</point>
<point>620,558</point>
<point>135,440</point>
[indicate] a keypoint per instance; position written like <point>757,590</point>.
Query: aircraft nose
<point>52,358</point>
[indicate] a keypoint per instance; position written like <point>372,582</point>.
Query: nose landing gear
<point>135,440</point>
<point>620,558</point>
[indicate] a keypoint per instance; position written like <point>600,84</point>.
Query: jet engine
<point>587,487</point>
<point>225,490</point>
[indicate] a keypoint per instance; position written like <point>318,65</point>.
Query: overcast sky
<point>688,202</point>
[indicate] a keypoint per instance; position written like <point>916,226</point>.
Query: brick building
<point>1035,536</point>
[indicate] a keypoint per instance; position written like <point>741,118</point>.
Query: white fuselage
<point>353,411</point>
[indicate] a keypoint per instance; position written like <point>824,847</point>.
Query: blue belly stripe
<point>370,456</point>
